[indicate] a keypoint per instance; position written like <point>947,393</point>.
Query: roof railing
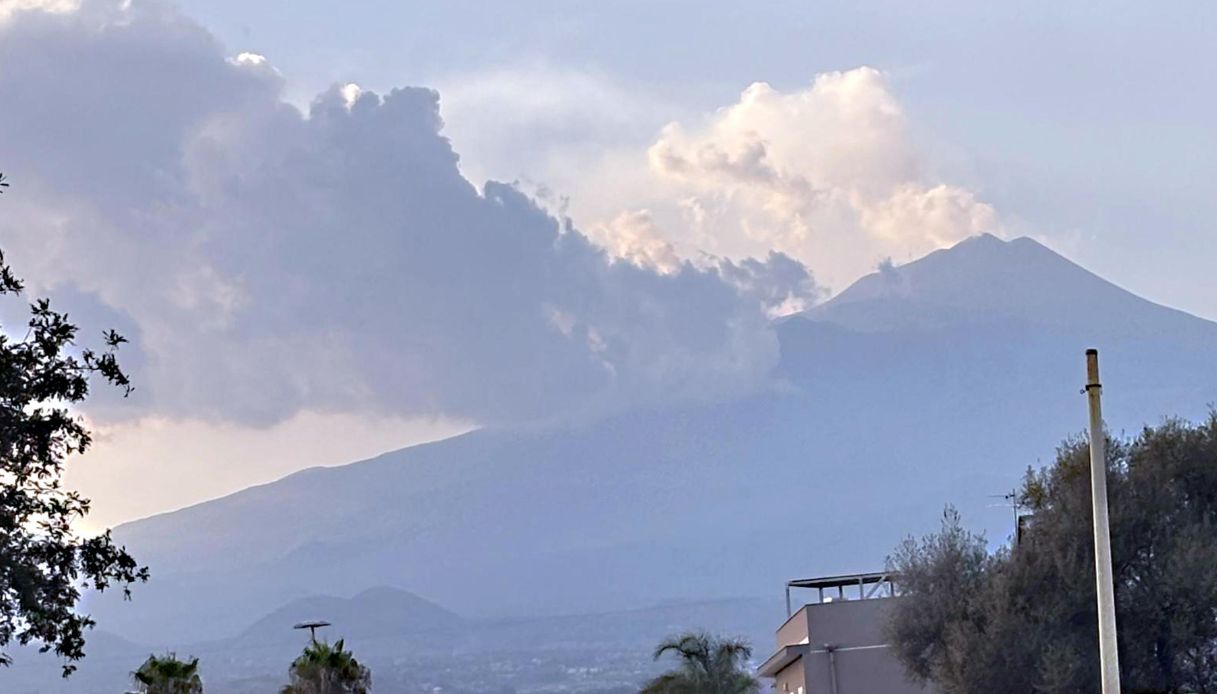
<point>864,586</point>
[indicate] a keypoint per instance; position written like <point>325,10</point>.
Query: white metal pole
<point>1109,659</point>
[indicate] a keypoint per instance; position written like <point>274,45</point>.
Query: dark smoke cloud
<point>274,261</point>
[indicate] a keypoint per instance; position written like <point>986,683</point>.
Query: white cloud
<point>257,64</point>
<point>250,59</point>
<point>10,7</point>
<point>939,216</point>
<point>634,236</point>
<point>350,94</point>
<point>828,174</point>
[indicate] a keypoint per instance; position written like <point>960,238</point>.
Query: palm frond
<point>706,665</point>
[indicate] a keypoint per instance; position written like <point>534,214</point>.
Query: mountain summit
<point>936,382</point>
<point>1013,284</point>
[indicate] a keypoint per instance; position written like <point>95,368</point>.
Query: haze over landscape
<point>722,323</point>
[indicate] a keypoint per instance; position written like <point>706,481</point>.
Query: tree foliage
<point>1023,619</point>
<point>326,669</point>
<point>708,665</point>
<point>168,675</point>
<point>44,563</point>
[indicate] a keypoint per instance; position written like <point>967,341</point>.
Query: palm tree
<point>325,669</point>
<point>708,665</point>
<point>168,675</point>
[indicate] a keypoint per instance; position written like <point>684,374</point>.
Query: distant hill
<point>936,382</point>
<point>413,645</point>
<point>376,613</point>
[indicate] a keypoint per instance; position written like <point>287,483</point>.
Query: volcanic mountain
<point>935,382</point>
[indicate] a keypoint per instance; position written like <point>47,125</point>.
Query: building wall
<point>795,630</point>
<point>860,671</point>
<point>854,629</point>
<point>792,680</point>
<point>848,623</point>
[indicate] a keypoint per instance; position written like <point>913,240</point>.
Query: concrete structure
<point>835,645</point>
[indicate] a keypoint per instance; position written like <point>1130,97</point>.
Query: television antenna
<point>1010,499</point>
<point>312,627</point>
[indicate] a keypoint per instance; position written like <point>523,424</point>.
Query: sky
<point>1087,126</point>
<point>566,208</point>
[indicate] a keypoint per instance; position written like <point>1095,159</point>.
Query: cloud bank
<point>817,172</point>
<point>273,261</point>
<point>828,174</point>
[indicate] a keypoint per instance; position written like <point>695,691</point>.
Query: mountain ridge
<point>836,310</point>
<point>869,434</point>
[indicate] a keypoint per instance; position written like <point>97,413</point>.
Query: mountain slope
<point>935,382</point>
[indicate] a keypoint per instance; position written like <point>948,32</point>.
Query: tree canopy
<point>707,665</point>
<point>1023,618</point>
<point>44,562</point>
<point>168,675</point>
<point>326,669</point>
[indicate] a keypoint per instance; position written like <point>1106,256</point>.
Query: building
<point>835,645</point>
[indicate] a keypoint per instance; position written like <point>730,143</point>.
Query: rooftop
<point>863,586</point>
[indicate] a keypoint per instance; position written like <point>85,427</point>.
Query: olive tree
<point>1024,618</point>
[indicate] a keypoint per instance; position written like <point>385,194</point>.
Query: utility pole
<point>1109,659</point>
